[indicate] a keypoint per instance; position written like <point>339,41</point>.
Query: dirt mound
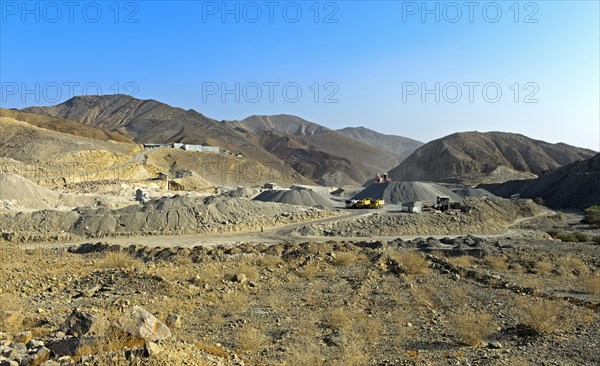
<point>15,187</point>
<point>243,192</point>
<point>488,216</point>
<point>402,192</point>
<point>469,192</point>
<point>20,194</point>
<point>300,197</point>
<point>163,216</point>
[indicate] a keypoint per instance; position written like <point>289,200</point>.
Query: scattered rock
<point>67,346</point>
<point>140,323</point>
<point>152,349</point>
<point>51,363</point>
<point>240,278</point>
<point>80,323</point>
<point>174,321</point>
<point>91,291</point>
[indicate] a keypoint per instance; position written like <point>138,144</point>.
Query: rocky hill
<point>63,126</point>
<point>150,121</point>
<point>399,145</point>
<point>89,164</point>
<point>490,157</point>
<point>281,124</point>
<point>576,185</point>
<point>328,157</point>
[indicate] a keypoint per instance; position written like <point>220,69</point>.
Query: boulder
<point>80,323</point>
<point>67,346</point>
<point>152,349</point>
<point>140,323</point>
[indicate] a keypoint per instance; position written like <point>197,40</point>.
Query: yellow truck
<point>364,203</point>
<point>376,203</point>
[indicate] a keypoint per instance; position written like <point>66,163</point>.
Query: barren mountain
<point>326,156</point>
<point>490,157</point>
<point>576,185</point>
<point>399,145</point>
<point>282,124</point>
<point>88,164</point>
<point>63,126</point>
<point>149,121</point>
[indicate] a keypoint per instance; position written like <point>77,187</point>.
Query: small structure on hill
<point>382,179</point>
<point>187,147</point>
<point>270,186</point>
<point>142,195</point>
<point>443,203</point>
<point>413,206</point>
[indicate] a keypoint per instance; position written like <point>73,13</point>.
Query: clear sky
<point>417,69</point>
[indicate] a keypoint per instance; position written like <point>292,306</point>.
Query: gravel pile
<point>468,192</point>
<point>402,192</point>
<point>15,187</point>
<point>19,193</point>
<point>163,216</point>
<point>488,216</point>
<point>299,197</point>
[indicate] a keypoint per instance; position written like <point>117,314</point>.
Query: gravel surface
<point>402,192</point>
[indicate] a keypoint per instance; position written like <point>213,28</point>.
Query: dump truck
<point>376,203</point>
<point>364,203</point>
<point>351,203</point>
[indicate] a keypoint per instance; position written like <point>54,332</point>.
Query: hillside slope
<point>490,157</point>
<point>63,126</point>
<point>319,153</point>
<point>576,185</point>
<point>282,124</point>
<point>59,159</point>
<point>149,121</point>
<point>399,145</point>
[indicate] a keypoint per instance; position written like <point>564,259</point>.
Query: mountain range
<point>326,156</point>
<point>319,153</point>
<point>350,156</point>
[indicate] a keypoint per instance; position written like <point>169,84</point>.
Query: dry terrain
<point>210,266</point>
<point>509,295</point>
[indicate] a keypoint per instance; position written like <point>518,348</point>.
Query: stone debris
<point>140,323</point>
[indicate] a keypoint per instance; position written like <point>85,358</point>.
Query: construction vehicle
<point>382,179</point>
<point>351,203</point>
<point>365,203</point>
<point>376,203</point>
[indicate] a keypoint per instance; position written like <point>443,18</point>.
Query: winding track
<point>269,236</point>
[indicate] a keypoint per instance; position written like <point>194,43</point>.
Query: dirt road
<point>280,234</point>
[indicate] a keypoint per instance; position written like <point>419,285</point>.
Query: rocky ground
<point>463,301</point>
<point>162,216</point>
<point>487,216</point>
<point>509,294</point>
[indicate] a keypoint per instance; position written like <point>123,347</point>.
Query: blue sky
<point>417,69</point>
